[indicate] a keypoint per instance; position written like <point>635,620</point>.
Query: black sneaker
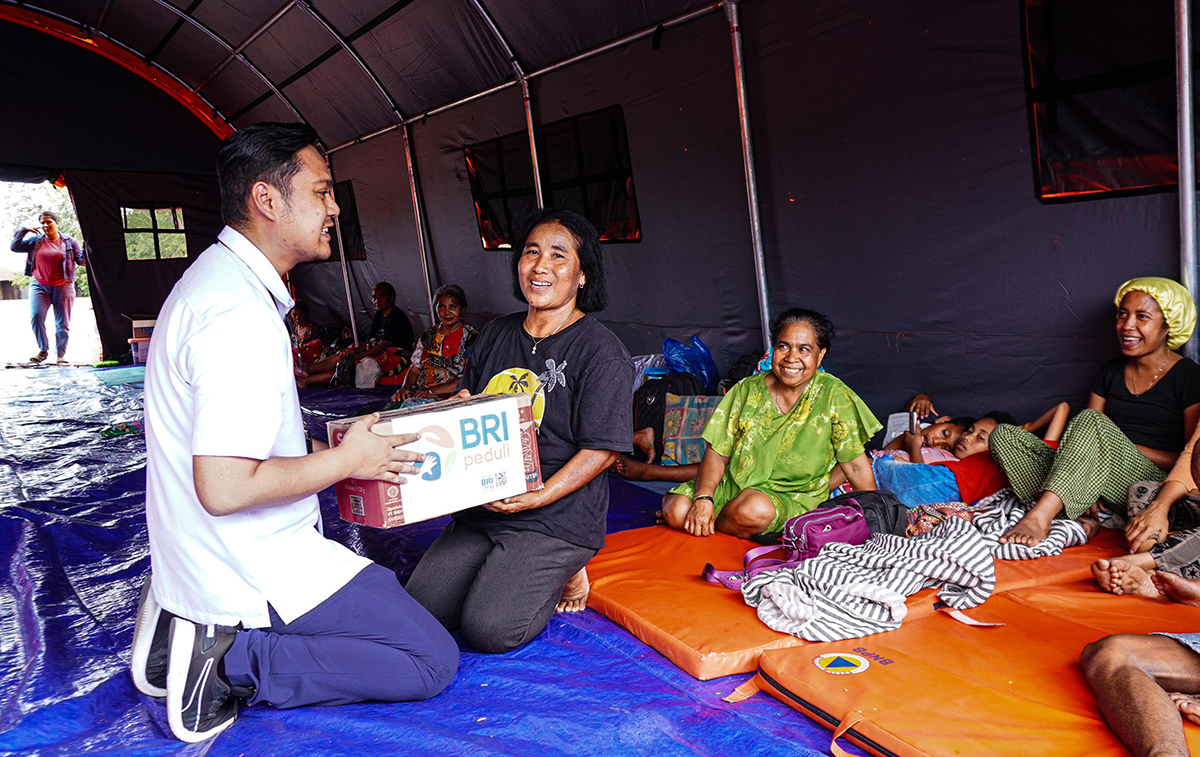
<point>148,659</point>
<point>200,700</point>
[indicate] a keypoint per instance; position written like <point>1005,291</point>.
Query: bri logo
<point>487,429</point>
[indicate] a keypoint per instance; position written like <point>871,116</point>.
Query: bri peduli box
<point>477,450</point>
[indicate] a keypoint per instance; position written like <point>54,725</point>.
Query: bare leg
<point>1177,589</point>
<point>748,514</point>
<point>575,593</point>
<point>643,441</point>
<point>1034,527</point>
<point>1130,676</point>
<point>675,509</point>
<point>628,468</point>
<point>1122,575</point>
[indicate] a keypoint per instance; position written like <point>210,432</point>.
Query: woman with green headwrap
<point>1142,411</point>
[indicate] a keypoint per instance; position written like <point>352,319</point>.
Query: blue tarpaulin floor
<point>74,552</point>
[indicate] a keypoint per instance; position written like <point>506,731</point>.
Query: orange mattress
<point>648,580</point>
<point>938,687</point>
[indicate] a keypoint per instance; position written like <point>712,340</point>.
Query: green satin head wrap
<point>1177,305</point>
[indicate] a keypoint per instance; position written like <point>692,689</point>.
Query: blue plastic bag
<point>696,360</point>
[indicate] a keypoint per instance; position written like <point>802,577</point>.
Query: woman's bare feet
<point>1030,530</point>
<point>1177,589</point>
<point>1127,578</point>
<point>575,593</point>
<point>1188,704</point>
<point>1035,526</point>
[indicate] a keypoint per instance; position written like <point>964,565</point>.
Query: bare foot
<point>1126,578</point>
<point>575,593</point>
<point>1189,705</point>
<point>1177,589</point>
<point>643,441</point>
<point>631,470</point>
<point>1030,530</point>
<point>1091,526</point>
<point>1100,569</point>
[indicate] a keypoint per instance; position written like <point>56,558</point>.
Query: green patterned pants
<point>1095,461</point>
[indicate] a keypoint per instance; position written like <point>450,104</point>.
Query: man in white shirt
<point>248,600</point>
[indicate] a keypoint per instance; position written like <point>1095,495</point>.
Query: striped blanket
<point>848,591</point>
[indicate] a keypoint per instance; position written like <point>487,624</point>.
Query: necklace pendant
<point>534,350</point>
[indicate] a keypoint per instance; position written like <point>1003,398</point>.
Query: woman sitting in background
<point>1143,409</point>
<point>440,356</point>
<point>775,439</point>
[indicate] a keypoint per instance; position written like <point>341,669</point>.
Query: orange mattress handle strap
<point>852,719</point>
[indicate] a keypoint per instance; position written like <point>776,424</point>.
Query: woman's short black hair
<point>260,152</point>
<point>819,321</point>
<point>963,421</point>
<point>50,213</point>
<point>593,295</point>
<point>388,290</point>
<point>455,291</point>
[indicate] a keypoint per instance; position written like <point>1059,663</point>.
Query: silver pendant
<point>534,350</point>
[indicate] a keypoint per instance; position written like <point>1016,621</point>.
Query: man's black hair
<point>593,295</point>
<point>268,152</point>
<point>50,213</point>
<point>388,290</point>
<point>819,322</point>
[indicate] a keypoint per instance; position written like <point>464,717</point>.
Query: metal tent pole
<point>1187,156</point>
<point>417,215</point>
<point>337,229</point>
<point>523,82</point>
<point>760,264</point>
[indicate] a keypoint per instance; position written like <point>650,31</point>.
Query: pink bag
<point>803,536</point>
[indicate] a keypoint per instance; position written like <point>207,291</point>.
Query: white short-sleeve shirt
<point>219,382</point>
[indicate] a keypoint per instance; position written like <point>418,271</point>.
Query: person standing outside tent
<point>51,262</point>
<point>247,600</point>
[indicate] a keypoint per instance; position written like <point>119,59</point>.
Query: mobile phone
<point>913,424</point>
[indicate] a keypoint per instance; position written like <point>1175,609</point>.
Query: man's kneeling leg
<point>369,641</point>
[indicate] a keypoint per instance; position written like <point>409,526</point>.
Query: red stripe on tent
<point>123,58</point>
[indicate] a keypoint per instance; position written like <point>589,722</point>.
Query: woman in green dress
<point>775,438</point>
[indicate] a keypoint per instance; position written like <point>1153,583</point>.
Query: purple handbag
<point>803,536</point>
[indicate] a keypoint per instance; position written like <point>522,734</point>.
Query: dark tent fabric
<point>1101,85</point>
<point>893,153</point>
<point>123,288</point>
<point>63,107</point>
<point>894,169</point>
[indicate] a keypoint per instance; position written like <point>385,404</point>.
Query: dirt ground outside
<point>17,344</point>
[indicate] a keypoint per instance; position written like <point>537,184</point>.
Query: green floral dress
<point>789,457</point>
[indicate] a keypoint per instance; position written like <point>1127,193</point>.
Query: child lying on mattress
<point>969,476</point>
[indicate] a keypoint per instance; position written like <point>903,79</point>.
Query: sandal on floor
<point>38,358</point>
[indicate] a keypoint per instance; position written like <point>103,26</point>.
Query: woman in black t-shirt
<point>499,571</point>
<point>1143,409</point>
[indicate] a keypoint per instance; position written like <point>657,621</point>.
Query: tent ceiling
<point>424,53</point>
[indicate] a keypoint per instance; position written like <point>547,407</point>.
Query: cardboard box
<point>477,450</point>
<point>143,328</point>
